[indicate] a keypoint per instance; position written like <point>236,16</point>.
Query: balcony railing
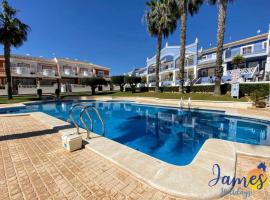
<point>257,49</point>
<point>22,70</point>
<point>69,72</point>
<point>85,73</point>
<point>167,83</point>
<point>49,72</point>
<point>165,68</point>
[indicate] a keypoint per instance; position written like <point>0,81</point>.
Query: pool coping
<point>158,102</point>
<point>189,182</point>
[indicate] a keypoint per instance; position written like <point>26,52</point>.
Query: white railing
<point>21,70</point>
<point>86,73</point>
<point>243,71</point>
<point>49,72</point>
<point>69,72</point>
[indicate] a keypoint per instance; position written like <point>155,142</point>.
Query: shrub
<point>118,80</point>
<point>246,89</point>
<point>94,82</point>
<point>132,81</point>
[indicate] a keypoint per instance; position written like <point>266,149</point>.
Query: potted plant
<point>39,94</point>
<point>57,93</point>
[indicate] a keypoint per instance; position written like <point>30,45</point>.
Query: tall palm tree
<point>161,19</point>
<point>185,7</point>
<point>12,33</point>
<point>222,15</point>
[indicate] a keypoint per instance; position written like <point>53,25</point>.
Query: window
<point>100,73</point>
<point>247,50</point>
<point>204,57</point>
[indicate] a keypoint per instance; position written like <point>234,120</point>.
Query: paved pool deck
<point>162,179</point>
<point>34,165</point>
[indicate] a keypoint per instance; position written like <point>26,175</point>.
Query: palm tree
<point>222,15</point>
<point>12,33</point>
<point>161,19</point>
<point>185,7</point>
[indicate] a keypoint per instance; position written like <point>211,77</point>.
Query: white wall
<point>27,89</point>
<point>48,89</point>
<point>3,91</point>
<point>32,89</point>
<point>116,88</point>
<point>106,88</point>
<point>80,88</point>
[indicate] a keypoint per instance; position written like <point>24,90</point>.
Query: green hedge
<point>245,88</point>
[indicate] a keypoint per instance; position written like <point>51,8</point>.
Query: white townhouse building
<point>200,63</point>
<point>30,73</point>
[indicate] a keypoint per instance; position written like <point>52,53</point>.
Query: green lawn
<point>167,95</point>
<point>17,99</point>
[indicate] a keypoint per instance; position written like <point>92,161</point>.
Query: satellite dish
<point>258,31</point>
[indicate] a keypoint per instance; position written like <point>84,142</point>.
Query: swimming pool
<point>170,134</point>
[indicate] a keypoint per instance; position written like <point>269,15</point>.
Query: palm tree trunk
<point>7,68</point>
<point>159,43</point>
<point>183,22</point>
<point>220,40</point>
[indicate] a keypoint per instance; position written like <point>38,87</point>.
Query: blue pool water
<point>169,134</point>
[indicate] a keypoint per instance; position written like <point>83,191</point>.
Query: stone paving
<point>33,165</point>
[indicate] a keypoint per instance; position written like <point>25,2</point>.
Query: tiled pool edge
<point>188,182</point>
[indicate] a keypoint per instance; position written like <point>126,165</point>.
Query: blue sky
<point>111,33</point>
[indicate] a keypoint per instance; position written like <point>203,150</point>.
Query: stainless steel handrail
<point>84,123</point>
<point>91,121</point>
<point>72,116</point>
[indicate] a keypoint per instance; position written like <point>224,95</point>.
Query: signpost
<point>235,90</point>
<point>235,83</point>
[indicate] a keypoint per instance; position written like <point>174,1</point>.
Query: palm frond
<point>12,30</point>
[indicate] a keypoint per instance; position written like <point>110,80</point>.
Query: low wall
<point>32,89</point>
<point>27,89</point>
<point>80,88</point>
<point>48,89</point>
<point>3,90</point>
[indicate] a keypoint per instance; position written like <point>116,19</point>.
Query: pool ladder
<point>85,109</point>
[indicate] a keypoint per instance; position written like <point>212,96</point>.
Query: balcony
<point>69,72</point>
<point>253,51</point>
<point>166,82</point>
<point>85,73</point>
<point>165,68</point>
<point>49,72</point>
<point>151,71</point>
<point>23,71</point>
